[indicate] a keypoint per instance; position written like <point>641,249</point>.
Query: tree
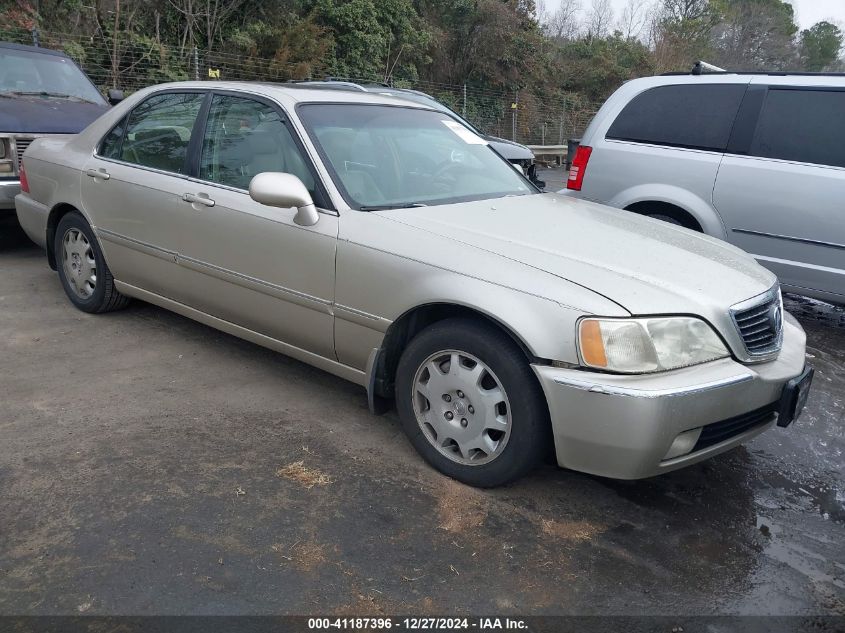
<point>599,19</point>
<point>633,20</point>
<point>565,23</point>
<point>681,33</point>
<point>755,35</point>
<point>820,46</point>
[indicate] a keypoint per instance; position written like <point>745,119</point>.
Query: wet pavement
<point>149,464</point>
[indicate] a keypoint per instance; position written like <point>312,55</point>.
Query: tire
<point>665,218</point>
<point>84,274</point>
<point>496,439</point>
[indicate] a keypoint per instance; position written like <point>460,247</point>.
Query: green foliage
<point>373,38</point>
<point>821,45</point>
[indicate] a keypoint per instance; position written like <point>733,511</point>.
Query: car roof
<point>293,93</point>
<point>33,49</point>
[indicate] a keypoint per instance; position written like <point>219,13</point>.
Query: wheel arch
<point>383,365</point>
<point>56,214</point>
<point>685,201</point>
<point>649,207</point>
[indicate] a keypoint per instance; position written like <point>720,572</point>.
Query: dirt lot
<point>149,464</point>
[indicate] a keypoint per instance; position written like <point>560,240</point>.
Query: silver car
<point>757,160</point>
<point>382,241</point>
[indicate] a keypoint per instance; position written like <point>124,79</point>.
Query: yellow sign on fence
<point>214,73</point>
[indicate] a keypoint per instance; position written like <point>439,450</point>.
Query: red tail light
<point>579,167</point>
<point>24,181</point>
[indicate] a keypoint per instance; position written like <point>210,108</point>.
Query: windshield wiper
<point>45,93</point>
<point>387,207</point>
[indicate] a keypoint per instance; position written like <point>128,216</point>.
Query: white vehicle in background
<point>754,159</point>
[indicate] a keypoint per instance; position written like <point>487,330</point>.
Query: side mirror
<point>115,96</point>
<point>277,189</point>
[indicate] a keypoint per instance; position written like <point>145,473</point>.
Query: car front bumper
<point>8,190</point>
<point>624,427</point>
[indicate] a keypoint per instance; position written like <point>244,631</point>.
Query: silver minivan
<point>757,160</point>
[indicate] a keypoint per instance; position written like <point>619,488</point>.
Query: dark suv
<point>42,93</point>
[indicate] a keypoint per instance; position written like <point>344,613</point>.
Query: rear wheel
<point>470,403</point>
<point>666,212</point>
<point>86,278</point>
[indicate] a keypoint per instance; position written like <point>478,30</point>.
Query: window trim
<point>697,148</point>
<point>322,200</point>
<point>126,117</point>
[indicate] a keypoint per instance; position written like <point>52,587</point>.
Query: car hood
<point>39,115</point>
<point>644,265</point>
<point>509,149</point>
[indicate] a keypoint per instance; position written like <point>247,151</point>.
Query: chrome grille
<point>760,324</point>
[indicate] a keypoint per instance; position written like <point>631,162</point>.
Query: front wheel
<point>83,271</point>
<point>470,403</point>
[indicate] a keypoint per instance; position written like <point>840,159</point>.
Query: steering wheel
<point>441,174</point>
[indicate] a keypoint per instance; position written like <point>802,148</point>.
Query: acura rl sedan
<point>386,243</point>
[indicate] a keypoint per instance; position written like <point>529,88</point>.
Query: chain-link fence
<point>122,62</point>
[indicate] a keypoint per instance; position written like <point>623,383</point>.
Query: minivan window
<point>159,131</point>
<point>691,116</point>
<point>806,126</point>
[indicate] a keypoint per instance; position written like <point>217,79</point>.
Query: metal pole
<point>464,111</point>
<point>514,108</point>
<point>196,64</point>
<point>562,119</point>
<point>544,133</point>
<point>35,39</point>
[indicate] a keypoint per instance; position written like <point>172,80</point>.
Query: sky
<point>807,12</point>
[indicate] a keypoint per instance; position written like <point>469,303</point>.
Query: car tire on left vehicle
<point>83,271</point>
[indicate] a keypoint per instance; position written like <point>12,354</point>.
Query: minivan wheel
<point>86,278</point>
<point>665,218</point>
<point>470,403</point>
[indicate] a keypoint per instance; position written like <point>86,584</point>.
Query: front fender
<point>377,284</point>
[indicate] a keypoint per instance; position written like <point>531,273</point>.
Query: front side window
<point>244,138</point>
<point>806,126</point>
<point>159,130</point>
<point>689,116</point>
<point>391,157</point>
<point>110,145</point>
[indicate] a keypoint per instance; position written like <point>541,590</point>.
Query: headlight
<point>639,346</point>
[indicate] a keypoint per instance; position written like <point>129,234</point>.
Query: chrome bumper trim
<point>593,387</point>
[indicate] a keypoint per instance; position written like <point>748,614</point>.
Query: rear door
<point>132,189</point>
<point>781,190</point>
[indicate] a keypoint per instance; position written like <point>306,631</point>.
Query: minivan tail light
<point>579,167</point>
<point>24,181</point>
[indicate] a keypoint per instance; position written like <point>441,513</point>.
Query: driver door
<point>252,264</point>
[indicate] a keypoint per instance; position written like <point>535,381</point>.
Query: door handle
<point>198,198</point>
<point>102,174</point>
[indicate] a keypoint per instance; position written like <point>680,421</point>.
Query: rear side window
<point>806,126</point>
<point>692,116</point>
<point>159,131</point>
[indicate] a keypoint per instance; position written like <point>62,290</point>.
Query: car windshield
<point>29,73</point>
<point>386,157</point>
